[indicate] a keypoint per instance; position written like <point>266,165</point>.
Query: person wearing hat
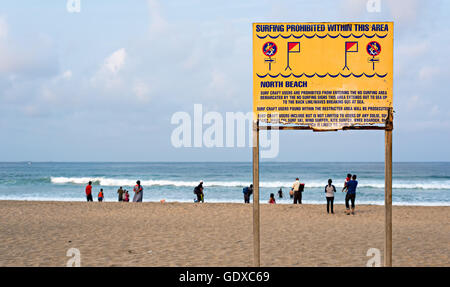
<point>138,192</point>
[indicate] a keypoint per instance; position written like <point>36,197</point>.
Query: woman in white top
<point>329,193</point>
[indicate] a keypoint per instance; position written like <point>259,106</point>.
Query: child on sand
<point>100,195</point>
<point>272,199</point>
<point>126,196</point>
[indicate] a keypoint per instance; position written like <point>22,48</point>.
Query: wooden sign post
<point>323,77</point>
<point>388,190</point>
<point>256,228</point>
<point>388,183</point>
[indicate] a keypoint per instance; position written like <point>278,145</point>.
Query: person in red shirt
<point>272,199</point>
<point>126,196</point>
<point>347,179</point>
<point>89,191</point>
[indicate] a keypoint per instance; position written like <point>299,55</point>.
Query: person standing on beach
<point>351,194</point>
<point>198,190</point>
<point>297,188</point>
<point>329,194</point>
<point>138,192</point>
<point>89,191</point>
<point>280,193</point>
<point>247,193</point>
<point>120,193</point>
<point>347,179</point>
<point>100,195</point>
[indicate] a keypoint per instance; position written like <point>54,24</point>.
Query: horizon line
<point>30,161</point>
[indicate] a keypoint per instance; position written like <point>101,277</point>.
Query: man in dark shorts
<point>89,191</point>
<point>298,188</point>
<point>120,193</point>
<point>247,193</point>
<point>298,195</point>
<point>351,194</point>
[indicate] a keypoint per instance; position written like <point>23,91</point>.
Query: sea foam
<point>269,184</point>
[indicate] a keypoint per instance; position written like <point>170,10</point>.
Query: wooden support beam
<point>280,127</point>
<point>388,191</point>
<point>256,226</point>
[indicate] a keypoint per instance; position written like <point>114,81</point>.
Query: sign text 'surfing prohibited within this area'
<point>326,75</point>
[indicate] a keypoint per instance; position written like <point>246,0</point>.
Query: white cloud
<point>108,74</point>
<point>115,61</point>
<point>66,75</point>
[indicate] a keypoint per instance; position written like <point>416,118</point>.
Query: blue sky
<point>102,84</point>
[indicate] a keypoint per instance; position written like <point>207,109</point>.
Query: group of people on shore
<point>298,188</point>
<point>123,194</point>
<point>295,193</point>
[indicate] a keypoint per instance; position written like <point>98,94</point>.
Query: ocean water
<point>413,183</point>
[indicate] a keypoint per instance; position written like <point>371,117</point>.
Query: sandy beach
<point>215,234</point>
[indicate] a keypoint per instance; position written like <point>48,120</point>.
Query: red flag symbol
<point>350,45</point>
<point>292,45</point>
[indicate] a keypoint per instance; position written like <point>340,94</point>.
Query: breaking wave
<point>269,184</point>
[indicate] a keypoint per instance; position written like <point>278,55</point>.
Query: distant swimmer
<point>138,192</point>
<point>280,193</point>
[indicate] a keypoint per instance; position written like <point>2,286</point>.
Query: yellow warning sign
<point>323,75</point>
